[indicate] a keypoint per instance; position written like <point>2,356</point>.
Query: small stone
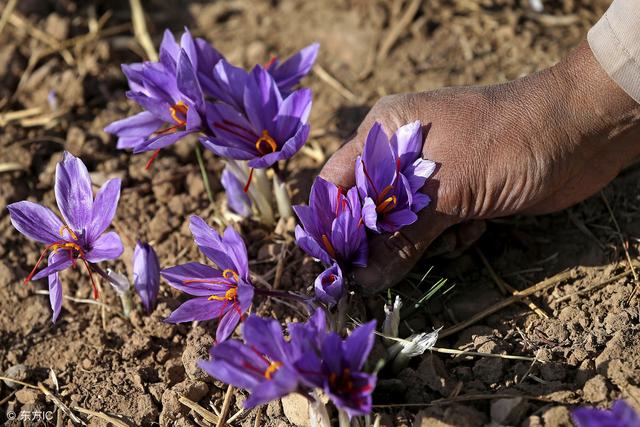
<point>532,421</point>
<point>86,364</point>
<point>508,411</point>
<point>296,409</point>
<point>17,372</point>
<point>595,390</point>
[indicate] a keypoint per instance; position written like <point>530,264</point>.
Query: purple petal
<point>358,345</point>
<point>160,141</point>
<point>370,215</point>
<point>187,43</point>
<point>35,221</point>
<point>288,150</point>
<point>199,308</point>
<point>310,246</point>
<point>262,99</point>
<point>238,200</point>
<point>420,201</point>
<point>394,221</point>
<point>378,160</point>
<point>178,275</point>
<point>140,125</point>
<point>237,251</point>
<point>407,143</point>
<point>188,82</point>
<point>293,112</point>
<point>266,336</point>
<point>57,261</point>
<point>210,243</point>
<point>289,73</point>
<point>55,295</point>
<point>331,353</point>
<point>229,361</point>
<point>229,83</point>
<point>108,246</point>
<point>104,208</point>
<point>221,148</point>
<point>228,323</point>
<point>73,192</point>
<point>591,417</point>
<point>169,50</point>
<point>418,173</point>
<point>623,411</point>
<point>284,381</point>
<point>146,275</point>
<point>161,108</point>
<point>329,285</point>
<point>232,127</point>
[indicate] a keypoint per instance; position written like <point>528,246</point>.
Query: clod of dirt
<point>558,416</point>
<point>197,348</point>
<point>174,371</point>
<point>595,390</point>
<point>434,375</point>
<point>296,409</point>
<point>27,396</point>
<point>488,370</point>
<point>17,372</point>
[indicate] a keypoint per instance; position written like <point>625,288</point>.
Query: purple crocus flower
<point>173,100</point>
<point>332,226</point>
<point>146,275</point>
<point>620,415</point>
<point>81,236</point>
<point>329,285</point>
<point>263,364</point>
<point>337,369</point>
<point>390,175</point>
<point>266,129</point>
<point>224,292</point>
<point>238,200</point>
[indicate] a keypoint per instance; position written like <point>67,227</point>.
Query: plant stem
<point>125,296</point>
<point>205,175</point>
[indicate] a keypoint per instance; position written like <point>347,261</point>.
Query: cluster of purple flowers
<point>254,116</point>
<point>389,177</point>
<point>270,367</point>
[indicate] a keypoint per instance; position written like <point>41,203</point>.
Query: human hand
<point>535,145</point>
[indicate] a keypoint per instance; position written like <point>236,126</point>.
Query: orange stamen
<point>272,369</point>
<point>230,295</point>
<point>267,140</point>
<point>269,63</point>
<point>233,273</point>
<point>387,204</point>
<point>328,246</point>
<point>69,230</point>
<point>179,108</point>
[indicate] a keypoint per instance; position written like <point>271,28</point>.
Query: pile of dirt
<point>587,349</point>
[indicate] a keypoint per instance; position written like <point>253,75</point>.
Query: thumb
<point>391,256</point>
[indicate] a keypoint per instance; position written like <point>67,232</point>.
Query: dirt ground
<point>587,350</point>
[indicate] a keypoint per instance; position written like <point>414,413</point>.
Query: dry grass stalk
<point>226,405</point>
<point>109,419</point>
<point>64,408</point>
<point>140,29</point>
<point>398,28</point>
<point>194,406</point>
<point>6,13</point>
<point>335,84</point>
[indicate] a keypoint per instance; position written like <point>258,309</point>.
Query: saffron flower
<point>390,175</point>
<point>332,226</point>
<point>239,201</point>
<point>225,292</point>
<point>82,234</point>
<point>146,275</point>
<point>329,285</point>
<point>263,364</point>
<point>337,368</point>
<point>266,129</point>
<point>620,415</point>
<point>173,101</point>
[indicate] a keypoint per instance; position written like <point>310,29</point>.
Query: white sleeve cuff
<point>615,43</point>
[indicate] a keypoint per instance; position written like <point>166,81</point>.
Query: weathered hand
<point>535,145</point>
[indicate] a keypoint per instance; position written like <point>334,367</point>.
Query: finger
<point>340,168</point>
<point>391,256</point>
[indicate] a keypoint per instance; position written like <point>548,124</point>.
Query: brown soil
<point>136,369</point>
